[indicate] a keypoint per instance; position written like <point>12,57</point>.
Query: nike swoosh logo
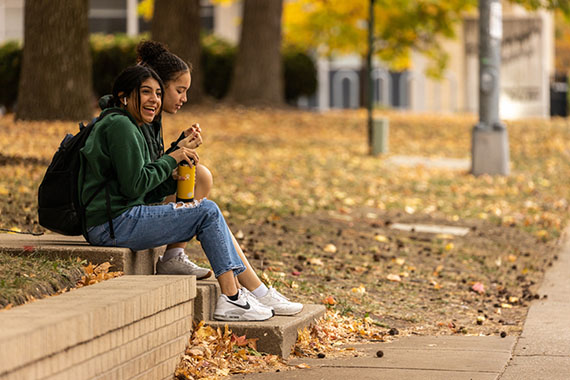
<point>246,306</point>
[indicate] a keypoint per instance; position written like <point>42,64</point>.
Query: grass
<point>30,276</point>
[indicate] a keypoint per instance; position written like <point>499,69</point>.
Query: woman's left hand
<point>193,137</point>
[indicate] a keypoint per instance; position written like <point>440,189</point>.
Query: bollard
<point>379,138</point>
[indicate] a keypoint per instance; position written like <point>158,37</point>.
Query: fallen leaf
<point>394,278</point>
<point>381,238</point>
<point>330,248</point>
<point>329,301</point>
<point>360,290</point>
<point>478,288</point>
<point>315,261</point>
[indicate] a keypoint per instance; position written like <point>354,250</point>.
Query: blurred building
<point>526,71</point>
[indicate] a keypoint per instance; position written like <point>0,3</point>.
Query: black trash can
<point>559,98</point>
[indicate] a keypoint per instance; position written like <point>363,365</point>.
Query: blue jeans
<point>145,227</point>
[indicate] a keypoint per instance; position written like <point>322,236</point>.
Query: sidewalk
<point>541,352</point>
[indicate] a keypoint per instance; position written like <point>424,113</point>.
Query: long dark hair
<point>156,55</point>
<point>131,79</point>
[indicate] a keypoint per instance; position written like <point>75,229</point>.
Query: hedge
<point>112,53</point>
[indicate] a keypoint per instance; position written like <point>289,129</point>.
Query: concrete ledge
<point>276,336</point>
<point>128,327</point>
<point>122,259</point>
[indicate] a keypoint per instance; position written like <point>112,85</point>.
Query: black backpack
<point>59,206</point>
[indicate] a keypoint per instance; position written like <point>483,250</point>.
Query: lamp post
<point>369,73</point>
<point>377,129</point>
<point>490,145</point>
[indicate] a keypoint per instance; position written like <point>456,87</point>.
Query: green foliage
<point>300,74</point>
<point>10,62</point>
<point>561,5</point>
<point>218,57</point>
<point>112,53</point>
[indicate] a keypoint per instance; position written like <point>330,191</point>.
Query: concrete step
<point>276,336</point>
<point>120,328</point>
<point>55,245</point>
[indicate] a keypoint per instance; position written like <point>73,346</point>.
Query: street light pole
<point>490,145</point>
<point>369,74</point>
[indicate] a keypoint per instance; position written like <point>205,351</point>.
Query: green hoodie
<point>116,153</point>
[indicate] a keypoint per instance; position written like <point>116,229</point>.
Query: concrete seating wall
<point>132,327</point>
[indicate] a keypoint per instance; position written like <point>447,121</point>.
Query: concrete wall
<point>132,327</point>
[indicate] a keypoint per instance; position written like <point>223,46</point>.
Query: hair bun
<point>148,51</point>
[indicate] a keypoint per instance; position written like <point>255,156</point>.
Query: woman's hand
<point>185,154</point>
<point>193,137</point>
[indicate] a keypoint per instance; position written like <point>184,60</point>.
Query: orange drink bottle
<point>186,181</point>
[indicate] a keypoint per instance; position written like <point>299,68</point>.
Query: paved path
<point>541,352</point>
<point>543,349</point>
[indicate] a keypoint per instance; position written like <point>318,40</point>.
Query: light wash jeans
<point>145,227</point>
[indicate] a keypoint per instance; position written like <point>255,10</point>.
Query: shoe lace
<point>182,257</point>
<point>279,296</point>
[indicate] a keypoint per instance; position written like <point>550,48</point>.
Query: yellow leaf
<point>381,238</point>
<point>330,248</point>
<point>360,290</point>
<point>449,246</point>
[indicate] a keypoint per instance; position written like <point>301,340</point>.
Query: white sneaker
<point>181,264</point>
<point>280,303</point>
<point>240,310</point>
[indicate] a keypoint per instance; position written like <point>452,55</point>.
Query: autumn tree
<point>258,77</point>
<point>177,24</point>
<point>55,79</point>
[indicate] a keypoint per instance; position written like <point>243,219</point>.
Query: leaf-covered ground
<point>313,210</point>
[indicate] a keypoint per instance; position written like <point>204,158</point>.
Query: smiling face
<point>150,101</point>
<point>175,92</point>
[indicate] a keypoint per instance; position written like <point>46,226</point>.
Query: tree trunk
<point>55,81</point>
<point>258,71</point>
<point>176,23</point>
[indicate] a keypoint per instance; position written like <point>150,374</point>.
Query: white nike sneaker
<point>280,303</point>
<point>240,310</point>
<point>181,265</point>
